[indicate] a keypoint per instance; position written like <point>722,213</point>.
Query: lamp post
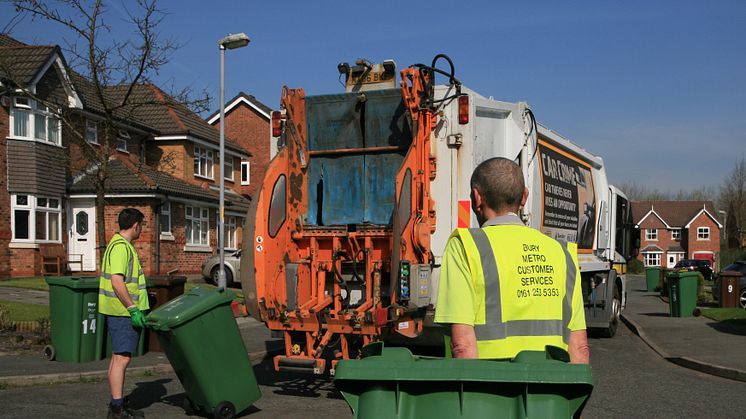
<point>725,226</point>
<point>232,41</point>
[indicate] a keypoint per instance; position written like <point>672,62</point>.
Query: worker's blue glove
<point>137,317</point>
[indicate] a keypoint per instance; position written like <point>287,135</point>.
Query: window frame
<point>676,234</point>
<point>35,113</point>
<point>203,219</point>
<point>165,210</point>
<point>123,135</point>
<point>230,233</point>
<point>206,154</point>
<point>246,164</point>
<point>651,256</point>
<point>33,206</point>
<point>703,233</point>
<point>91,126</point>
<point>651,234</point>
<point>228,174</point>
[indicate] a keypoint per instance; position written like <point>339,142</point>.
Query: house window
<point>123,138</point>
<point>228,168</point>
<point>652,259</point>
<point>164,218</point>
<point>230,233</point>
<point>30,120</point>
<point>676,234</point>
<point>197,226</point>
<point>651,234</point>
<point>703,233</point>
<point>245,173</point>
<point>91,131</point>
<point>36,219</point>
<point>203,162</point>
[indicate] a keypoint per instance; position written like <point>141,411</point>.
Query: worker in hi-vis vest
<point>505,287</point>
<point>123,298</point>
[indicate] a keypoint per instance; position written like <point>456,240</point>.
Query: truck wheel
<point>224,410</point>
<point>742,298</point>
<point>616,313</point>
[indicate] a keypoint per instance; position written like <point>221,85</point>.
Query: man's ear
<point>476,200</point>
<point>525,197</point>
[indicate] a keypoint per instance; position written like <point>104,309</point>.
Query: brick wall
<point>664,237</point>
<point>250,129</point>
<point>707,246</point>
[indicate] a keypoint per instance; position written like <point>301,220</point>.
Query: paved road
<point>631,382</point>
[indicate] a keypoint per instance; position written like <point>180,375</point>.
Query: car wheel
<point>742,298</point>
<point>214,276</point>
<point>616,314</point>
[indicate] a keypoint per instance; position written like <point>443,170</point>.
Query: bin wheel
<point>696,312</point>
<point>188,406</point>
<point>49,352</point>
<point>224,410</point>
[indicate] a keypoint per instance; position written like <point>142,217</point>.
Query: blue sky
<point>657,88</point>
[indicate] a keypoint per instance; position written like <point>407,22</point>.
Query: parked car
<point>212,264</point>
<point>703,266</point>
<point>736,267</point>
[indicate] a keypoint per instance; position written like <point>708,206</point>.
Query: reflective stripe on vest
<point>495,328</point>
<point>109,302</point>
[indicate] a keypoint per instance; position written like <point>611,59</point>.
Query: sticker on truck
<point>568,197</point>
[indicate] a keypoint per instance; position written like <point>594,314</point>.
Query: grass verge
<point>737,315</point>
<point>36,283</point>
<point>23,312</point>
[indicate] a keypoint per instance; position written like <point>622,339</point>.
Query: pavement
<point>20,370</point>
<point>692,342</point>
<point>697,343</point>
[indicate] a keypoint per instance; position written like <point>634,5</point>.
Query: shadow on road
<point>732,327</point>
<point>149,392</point>
<point>299,385</point>
<point>656,314</point>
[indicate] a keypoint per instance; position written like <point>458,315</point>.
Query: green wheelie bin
<point>201,339</point>
<point>682,293</point>
<point>75,322</point>
<point>653,277</point>
<point>393,383</point>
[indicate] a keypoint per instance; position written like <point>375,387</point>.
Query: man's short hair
<point>500,182</point>
<point>128,217</point>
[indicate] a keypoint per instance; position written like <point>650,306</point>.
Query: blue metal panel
<point>333,122</point>
<point>355,188</point>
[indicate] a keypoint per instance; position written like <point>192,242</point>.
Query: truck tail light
<point>463,110</point>
<point>276,125</point>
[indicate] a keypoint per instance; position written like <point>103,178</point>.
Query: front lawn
<point>725,314</point>
<point>22,312</point>
<point>36,283</point>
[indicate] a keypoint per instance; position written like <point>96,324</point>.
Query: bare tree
<point>733,199</point>
<point>115,68</point>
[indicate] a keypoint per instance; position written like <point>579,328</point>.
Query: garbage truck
<point>343,241</point>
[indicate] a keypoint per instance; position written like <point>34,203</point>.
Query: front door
<point>671,260</point>
<point>82,237</point>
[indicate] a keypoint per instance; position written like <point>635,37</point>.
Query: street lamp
<point>725,226</point>
<point>232,41</point>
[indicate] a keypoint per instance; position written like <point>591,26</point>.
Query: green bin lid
<point>188,306</point>
<point>74,282</point>
<point>398,364</point>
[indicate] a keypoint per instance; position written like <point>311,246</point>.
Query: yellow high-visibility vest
<point>134,280</point>
<point>529,285</point>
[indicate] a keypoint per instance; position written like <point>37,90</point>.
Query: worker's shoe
<point>123,412</point>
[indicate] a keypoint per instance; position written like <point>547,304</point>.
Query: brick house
<point>164,162</point>
<point>675,230</point>
<point>247,121</point>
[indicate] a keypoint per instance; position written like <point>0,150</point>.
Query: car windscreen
<point>683,263</point>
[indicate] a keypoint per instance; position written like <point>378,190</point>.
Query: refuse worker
<point>123,298</point>
<point>506,287</point>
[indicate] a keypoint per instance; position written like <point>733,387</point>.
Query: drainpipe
<point>158,238</point>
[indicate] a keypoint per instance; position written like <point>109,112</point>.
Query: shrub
<point>635,266</point>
